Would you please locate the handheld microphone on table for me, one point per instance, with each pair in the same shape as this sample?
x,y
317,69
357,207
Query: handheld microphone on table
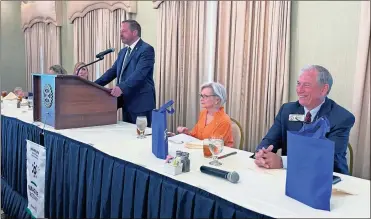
x,y
232,177
99,56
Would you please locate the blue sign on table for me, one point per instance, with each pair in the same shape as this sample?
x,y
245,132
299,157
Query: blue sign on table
x,y
310,164
159,130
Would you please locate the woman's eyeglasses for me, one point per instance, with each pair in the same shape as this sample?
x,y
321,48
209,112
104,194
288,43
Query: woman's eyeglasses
x,y
206,96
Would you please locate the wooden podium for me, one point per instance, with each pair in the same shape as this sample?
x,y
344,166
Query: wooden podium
x,y
69,101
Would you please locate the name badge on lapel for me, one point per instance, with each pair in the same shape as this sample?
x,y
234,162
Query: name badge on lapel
x,y
296,117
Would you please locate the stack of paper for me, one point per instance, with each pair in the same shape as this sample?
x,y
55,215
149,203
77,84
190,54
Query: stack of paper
x,y
344,188
336,191
187,140
24,102
194,144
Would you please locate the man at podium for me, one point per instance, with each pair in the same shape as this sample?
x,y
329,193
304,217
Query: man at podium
x,y
133,69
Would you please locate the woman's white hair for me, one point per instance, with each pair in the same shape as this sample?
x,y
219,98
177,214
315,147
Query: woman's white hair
x,y
218,90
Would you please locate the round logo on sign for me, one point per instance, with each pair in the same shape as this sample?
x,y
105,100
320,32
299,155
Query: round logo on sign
x,y
48,95
165,135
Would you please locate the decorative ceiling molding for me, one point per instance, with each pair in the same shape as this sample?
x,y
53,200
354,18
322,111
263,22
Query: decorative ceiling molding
x,y
41,11
77,9
156,3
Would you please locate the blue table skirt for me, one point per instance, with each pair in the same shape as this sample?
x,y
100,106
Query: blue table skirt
x,y
82,182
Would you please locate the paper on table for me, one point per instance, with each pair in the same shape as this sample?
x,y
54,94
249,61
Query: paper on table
x,y
183,138
336,191
148,131
344,188
24,102
250,165
195,144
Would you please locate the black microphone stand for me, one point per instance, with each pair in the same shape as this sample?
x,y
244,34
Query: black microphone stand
x,y
42,134
99,59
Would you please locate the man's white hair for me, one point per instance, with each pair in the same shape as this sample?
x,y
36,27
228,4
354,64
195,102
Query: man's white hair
x,y
323,76
218,90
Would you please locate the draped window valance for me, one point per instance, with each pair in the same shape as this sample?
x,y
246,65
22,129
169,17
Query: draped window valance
x,y
156,3
41,11
77,9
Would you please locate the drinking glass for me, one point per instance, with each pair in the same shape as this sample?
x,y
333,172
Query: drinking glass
x,y
216,147
30,101
141,126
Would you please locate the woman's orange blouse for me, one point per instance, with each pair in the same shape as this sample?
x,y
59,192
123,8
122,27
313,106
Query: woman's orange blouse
x,y
219,127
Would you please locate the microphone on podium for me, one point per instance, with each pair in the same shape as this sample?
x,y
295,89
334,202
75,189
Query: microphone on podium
x,y
99,56
105,52
232,177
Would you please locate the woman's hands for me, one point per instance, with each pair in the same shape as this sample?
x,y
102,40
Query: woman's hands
x,y
182,130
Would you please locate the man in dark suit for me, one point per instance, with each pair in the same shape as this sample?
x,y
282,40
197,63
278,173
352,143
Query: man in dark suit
x,y
312,89
133,69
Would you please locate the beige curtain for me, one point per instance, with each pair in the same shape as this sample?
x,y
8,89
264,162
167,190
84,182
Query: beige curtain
x,y
42,45
360,134
97,31
252,61
179,59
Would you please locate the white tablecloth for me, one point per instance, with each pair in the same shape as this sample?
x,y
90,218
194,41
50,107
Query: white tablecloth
x,y
259,190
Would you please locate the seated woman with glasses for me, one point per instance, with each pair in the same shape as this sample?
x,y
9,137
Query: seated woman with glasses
x,y
84,73
213,121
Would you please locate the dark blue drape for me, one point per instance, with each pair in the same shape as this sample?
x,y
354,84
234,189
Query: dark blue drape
x,y
82,182
12,202
13,151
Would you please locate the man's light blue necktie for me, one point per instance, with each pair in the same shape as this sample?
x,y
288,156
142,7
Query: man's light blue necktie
x,y
124,63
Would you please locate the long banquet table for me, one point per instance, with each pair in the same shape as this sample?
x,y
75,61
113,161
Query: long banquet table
x,y
106,172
